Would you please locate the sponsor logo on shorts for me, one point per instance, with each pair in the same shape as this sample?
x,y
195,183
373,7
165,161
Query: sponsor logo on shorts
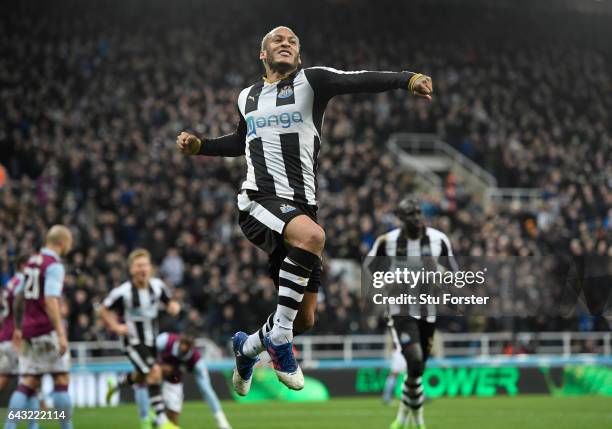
x,y
286,208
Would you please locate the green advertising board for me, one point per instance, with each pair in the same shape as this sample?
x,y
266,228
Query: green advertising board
x,y
487,381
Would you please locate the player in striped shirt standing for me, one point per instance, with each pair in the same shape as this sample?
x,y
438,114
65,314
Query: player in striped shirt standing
x,y
137,303
412,328
279,132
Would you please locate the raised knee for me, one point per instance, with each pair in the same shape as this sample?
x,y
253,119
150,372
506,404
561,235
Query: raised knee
x,y
315,238
304,233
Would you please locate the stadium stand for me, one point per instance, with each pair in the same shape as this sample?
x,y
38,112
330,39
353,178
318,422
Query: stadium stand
x,y
90,108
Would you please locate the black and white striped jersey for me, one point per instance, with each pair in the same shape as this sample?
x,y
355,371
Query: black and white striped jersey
x,y
139,309
434,244
281,124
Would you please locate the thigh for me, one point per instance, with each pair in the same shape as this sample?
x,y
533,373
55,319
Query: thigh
x,y
40,355
263,218
141,356
406,331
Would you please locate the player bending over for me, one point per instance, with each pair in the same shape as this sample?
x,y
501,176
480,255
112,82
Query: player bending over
x,y
40,332
137,303
413,333
177,354
279,131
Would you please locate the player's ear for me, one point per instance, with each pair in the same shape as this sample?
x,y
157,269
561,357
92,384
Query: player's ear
x,y
299,60
262,54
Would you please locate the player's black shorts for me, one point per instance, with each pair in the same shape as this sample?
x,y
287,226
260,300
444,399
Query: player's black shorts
x,y
408,330
142,357
263,219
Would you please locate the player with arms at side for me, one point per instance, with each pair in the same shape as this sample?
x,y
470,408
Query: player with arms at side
x,y
136,302
39,329
413,334
279,131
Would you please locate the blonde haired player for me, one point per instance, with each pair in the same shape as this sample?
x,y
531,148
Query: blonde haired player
x,y
136,302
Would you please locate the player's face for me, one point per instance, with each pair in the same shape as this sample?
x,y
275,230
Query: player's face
x,y
281,51
184,346
140,270
411,216
414,218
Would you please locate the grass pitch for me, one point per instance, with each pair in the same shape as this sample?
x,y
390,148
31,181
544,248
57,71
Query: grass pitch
x,y
524,412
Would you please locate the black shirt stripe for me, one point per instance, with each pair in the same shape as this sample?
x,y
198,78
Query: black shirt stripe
x,y
253,97
290,147
263,179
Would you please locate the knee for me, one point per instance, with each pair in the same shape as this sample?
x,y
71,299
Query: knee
x,y
416,368
311,239
414,361
31,381
155,375
317,237
61,380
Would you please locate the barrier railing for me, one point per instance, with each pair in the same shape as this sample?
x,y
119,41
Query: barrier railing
x,y
357,347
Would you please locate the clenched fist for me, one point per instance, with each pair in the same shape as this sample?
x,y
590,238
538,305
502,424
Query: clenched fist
x,y
188,143
421,86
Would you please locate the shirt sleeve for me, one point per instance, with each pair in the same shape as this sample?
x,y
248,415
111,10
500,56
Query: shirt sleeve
x,y
161,341
18,289
231,145
54,279
447,254
195,360
165,295
114,301
328,82
379,247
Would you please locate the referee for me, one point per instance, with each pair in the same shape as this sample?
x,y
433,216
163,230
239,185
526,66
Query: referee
x,y
413,334
279,132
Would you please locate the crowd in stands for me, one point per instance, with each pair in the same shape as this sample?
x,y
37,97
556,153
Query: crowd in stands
x,y
91,101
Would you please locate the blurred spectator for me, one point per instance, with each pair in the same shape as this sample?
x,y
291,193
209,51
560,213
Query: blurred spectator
x,y
91,107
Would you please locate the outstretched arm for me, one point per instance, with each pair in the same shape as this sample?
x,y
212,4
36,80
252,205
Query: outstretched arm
x,y
328,82
228,145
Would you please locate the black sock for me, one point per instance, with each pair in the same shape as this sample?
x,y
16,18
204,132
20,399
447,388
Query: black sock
x,y
156,401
